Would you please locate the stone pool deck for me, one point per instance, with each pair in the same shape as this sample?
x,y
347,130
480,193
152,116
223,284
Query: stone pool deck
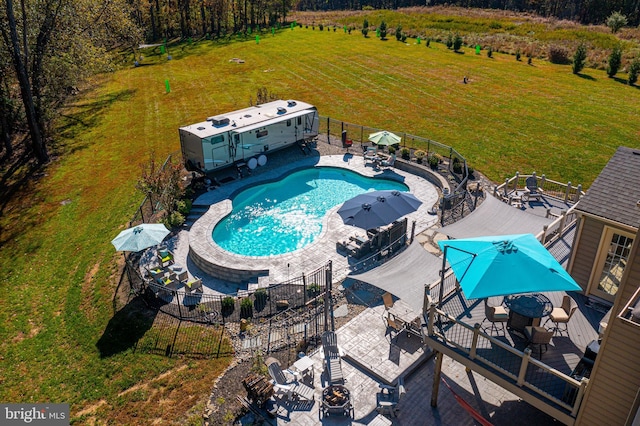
x,y
198,239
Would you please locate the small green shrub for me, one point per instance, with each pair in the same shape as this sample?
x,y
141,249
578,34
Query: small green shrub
x,y
383,30
399,32
489,52
405,153
615,60
518,55
173,220
392,150
449,41
433,162
184,206
457,43
419,154
228,305
579,58
321,27
246,308
428,42
403,38
313,289
260,299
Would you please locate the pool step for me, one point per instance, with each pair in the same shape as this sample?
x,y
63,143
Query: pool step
x,y
197,210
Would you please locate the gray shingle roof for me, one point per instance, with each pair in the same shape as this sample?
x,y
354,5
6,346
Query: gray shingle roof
x,y
616,191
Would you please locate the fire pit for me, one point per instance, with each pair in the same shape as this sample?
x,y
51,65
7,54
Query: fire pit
x,y
336,401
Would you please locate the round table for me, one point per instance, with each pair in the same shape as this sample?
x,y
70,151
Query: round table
x,y
526,309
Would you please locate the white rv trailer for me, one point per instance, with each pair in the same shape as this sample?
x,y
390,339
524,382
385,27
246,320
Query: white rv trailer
x,y
247,134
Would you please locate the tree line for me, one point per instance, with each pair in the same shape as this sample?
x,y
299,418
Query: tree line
x,y
583,11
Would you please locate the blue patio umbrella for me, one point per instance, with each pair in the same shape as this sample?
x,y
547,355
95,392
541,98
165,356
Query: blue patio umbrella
x,y
140,237
377,208
505,264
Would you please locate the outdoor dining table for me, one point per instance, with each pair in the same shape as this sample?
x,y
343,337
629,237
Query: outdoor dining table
x,y
526,309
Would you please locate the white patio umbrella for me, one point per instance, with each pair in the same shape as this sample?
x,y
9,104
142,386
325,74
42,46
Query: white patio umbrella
x,y
384,138
140,237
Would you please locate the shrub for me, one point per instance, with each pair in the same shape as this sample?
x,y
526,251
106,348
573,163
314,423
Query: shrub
x,y
428,42
615,21
260,299
449,41
615,59
529,60
383,30
228,305
518,55
419,154
579,58
321,27
365,27
246,308
403,38
392,150
184,206
457,43
174,219
405,153
634,69
457,166
433,161
558,55
313,289
489,52
399,32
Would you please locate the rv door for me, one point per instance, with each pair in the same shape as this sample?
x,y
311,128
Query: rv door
x,y
234,141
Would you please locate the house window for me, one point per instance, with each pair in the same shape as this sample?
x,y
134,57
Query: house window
x,y
615,257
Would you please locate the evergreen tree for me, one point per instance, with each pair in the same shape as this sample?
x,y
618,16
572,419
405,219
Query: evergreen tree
x,y
399,32
383,30
615,60
365,27
457,43
579,58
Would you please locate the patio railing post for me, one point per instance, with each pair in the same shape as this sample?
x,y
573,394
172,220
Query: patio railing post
x,y
474,342
516,180
432,314
568,190
506,186
581,390
563,220
578,192
523,366
543,179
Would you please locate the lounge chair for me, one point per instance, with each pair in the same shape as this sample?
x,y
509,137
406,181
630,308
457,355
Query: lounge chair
x,y
290,388
390,397
165,257
532,189
389,162
332,359
193,286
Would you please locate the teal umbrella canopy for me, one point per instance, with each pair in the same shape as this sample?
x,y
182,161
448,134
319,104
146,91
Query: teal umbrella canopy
x,y
505,264
140,237
384,138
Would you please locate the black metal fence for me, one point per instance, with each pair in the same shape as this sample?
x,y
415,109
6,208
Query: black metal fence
x,y
259,304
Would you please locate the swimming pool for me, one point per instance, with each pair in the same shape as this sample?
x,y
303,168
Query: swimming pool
x,y
287,215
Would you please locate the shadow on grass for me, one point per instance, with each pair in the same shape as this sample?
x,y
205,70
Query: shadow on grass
x,y
586,77
126,328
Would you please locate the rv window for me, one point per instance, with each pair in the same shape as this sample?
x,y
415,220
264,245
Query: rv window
x,y
288,123
217,139
262,133
299,120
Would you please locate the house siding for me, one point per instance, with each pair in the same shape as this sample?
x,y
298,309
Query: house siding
x,y
615,379
585,252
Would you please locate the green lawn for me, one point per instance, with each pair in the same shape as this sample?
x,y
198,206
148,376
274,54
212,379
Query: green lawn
x,y
59,268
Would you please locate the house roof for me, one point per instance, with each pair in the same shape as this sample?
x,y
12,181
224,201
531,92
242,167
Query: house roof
x,y
616,191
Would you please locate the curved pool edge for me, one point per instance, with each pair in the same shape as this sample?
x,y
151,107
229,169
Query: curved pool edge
x,y
219,263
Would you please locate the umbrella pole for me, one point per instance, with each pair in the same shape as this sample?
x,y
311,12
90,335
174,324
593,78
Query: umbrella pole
x,y
444,265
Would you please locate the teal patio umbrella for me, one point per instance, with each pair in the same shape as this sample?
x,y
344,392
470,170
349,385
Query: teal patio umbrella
x,y
140,237
384,138
505,264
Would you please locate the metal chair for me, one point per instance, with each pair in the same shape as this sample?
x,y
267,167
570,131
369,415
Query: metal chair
x,y
538,336
563,314
495,315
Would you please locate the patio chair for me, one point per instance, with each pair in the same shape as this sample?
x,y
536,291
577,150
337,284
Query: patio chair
x,y
563,314
388,401
193,286
538,336
165,257
389,162
290,388
495,315
387,298
532,189
332,358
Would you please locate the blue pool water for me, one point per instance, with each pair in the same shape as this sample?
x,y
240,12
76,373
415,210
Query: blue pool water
x,y
284,216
